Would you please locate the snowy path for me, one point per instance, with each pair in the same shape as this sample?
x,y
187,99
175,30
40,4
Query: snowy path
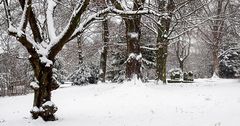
x,y
204,103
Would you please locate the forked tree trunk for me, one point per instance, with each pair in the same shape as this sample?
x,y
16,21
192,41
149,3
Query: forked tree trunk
x,y
133,64
103,56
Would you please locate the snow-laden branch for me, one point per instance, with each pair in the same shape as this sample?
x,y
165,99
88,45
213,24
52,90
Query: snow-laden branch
x,y
15,32
23,23
57,44
148,62
137,12
40,48
50,22
149,48
87,21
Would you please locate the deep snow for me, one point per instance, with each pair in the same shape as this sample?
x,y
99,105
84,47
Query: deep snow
x,y
207,102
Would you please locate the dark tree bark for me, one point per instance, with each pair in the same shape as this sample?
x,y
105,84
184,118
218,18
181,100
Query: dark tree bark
x,y
162,50
80,56
104,52
42,94
105,37
133,33
162,38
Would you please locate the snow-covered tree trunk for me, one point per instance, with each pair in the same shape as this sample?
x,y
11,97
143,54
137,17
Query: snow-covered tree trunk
x,y
133,32
44,84
105,38
161,59
165,6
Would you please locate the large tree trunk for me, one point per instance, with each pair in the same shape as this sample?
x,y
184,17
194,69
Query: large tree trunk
x,y
217,31
44,84
162,39
162,51
103,57
133,32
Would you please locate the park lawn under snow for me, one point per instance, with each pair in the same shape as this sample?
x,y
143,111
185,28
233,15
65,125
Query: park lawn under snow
x,y
204,103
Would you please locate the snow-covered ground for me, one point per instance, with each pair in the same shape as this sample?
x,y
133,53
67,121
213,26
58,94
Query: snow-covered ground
x,y
204,103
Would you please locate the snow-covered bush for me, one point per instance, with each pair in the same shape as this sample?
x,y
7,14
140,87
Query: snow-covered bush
x,y
86,74
188,76
230,64
175,74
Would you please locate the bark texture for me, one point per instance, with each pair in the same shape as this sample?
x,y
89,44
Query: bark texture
x,y
162,38
42,94
104,52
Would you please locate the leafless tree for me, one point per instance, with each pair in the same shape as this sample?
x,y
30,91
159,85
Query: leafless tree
x,y
43,47
214,30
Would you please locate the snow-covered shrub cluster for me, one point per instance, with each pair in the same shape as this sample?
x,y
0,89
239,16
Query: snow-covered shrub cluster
x,y
230,64
86,74
175,74
188,76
